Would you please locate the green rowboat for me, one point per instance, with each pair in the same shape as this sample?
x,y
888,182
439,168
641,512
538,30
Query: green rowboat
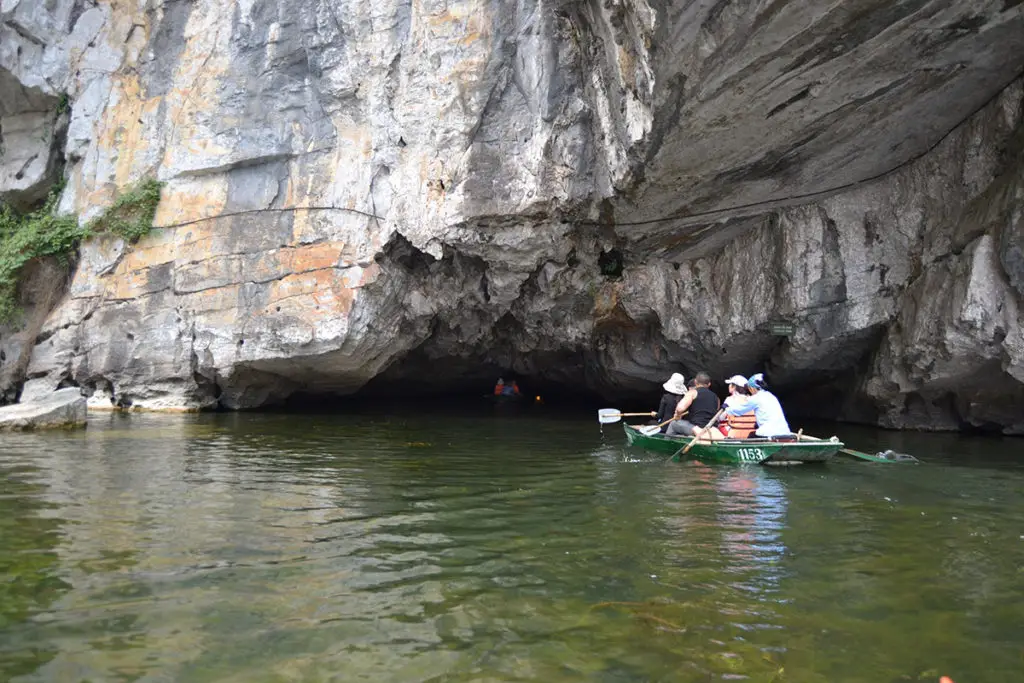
x,y
756,450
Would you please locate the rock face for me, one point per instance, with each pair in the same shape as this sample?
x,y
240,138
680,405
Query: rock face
x,y
43,285
593,194
61,409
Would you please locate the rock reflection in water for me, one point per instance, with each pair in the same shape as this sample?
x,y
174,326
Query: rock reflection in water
x,y
398,547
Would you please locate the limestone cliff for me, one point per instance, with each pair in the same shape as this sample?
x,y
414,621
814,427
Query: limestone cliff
x,y
590,193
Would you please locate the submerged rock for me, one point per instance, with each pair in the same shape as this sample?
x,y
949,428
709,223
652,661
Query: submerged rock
x,y
61,409
591,194
897,457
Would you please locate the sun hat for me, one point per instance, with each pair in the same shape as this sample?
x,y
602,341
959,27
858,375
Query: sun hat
x,y
756,382
676,384
738,380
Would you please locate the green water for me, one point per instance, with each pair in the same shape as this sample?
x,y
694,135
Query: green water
x,y
257,548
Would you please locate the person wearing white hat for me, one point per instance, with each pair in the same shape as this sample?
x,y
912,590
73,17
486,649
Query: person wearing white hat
x,y
737,390
767,410
674,388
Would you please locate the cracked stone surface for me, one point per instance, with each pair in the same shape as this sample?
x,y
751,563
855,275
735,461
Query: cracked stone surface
x,y
423,193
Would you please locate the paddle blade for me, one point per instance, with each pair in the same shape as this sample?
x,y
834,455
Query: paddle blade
x,y
650,430
609,415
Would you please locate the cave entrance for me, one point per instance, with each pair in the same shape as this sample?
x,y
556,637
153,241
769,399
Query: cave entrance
x,y
462,395
441,385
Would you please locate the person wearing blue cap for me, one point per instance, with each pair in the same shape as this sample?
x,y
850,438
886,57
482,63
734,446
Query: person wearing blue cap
x,y
771,421
737,426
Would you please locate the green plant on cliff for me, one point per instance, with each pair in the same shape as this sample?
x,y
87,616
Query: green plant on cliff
x,y
24,237
43,233
64,103
131,214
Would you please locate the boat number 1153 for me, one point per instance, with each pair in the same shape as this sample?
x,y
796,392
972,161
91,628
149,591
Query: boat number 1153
x,y
750,454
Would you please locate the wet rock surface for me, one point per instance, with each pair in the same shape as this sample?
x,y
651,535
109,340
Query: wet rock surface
x,y
591,194
62,409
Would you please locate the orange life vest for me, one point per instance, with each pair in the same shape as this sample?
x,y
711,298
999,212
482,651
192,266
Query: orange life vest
x,y
740,426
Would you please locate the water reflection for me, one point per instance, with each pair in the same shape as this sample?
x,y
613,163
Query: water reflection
x,y
752,516
30,580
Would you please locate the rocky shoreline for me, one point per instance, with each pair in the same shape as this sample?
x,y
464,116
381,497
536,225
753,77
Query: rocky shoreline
x,y
63,409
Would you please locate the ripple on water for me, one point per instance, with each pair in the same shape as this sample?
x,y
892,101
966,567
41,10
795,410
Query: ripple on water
x,y
252,548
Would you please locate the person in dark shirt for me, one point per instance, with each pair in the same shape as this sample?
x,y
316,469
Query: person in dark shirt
x,y
675,389
701,403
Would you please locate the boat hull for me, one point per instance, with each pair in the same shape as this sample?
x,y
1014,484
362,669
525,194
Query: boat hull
x,y
758,451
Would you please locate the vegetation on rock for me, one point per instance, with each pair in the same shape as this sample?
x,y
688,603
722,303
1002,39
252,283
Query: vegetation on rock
x,y
131,214
33,235
42,233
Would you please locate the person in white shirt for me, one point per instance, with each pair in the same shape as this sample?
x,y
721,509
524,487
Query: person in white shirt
x,y
737,391
771,421
737,426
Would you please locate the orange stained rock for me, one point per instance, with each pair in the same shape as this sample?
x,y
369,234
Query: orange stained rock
x,y
123,135
203,241
199,245
215,299
627,66
477,28
134,284
606,298
279,263
123,132
191,141
199,68
316,294
450,18
147,254
314,256
198,258
213,272
197,199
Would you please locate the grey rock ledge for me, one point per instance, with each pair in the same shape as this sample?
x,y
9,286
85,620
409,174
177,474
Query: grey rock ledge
x,y
61,409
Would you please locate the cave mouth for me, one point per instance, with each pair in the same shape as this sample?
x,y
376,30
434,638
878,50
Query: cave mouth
x,y
568,382
455,395
557,384
814,408
563,379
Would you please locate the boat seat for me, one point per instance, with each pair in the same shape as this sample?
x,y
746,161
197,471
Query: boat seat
x,y
785,438
781,438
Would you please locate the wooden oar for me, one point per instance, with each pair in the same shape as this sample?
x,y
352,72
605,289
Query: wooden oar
x,y
611,415
686,449
859,454
650,430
